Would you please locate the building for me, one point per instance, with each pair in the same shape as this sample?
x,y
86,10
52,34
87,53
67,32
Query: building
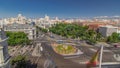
x,y
4,56
107,30
30,30
19,19
45,22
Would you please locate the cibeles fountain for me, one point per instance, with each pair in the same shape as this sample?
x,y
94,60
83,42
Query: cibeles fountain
x,y
67,50
4,56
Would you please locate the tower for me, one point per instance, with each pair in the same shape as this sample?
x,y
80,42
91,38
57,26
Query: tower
x,y
47,18
4,56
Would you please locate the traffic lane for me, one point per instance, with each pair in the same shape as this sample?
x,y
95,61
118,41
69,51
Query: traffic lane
x,y
58,59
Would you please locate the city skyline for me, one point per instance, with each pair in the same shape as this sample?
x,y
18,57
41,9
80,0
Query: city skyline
x,y
61,8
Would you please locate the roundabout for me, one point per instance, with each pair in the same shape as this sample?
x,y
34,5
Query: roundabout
x,y
66,50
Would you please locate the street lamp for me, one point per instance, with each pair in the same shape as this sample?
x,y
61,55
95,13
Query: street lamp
x,y
101,54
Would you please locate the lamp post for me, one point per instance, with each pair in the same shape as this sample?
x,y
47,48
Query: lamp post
x,y
101,53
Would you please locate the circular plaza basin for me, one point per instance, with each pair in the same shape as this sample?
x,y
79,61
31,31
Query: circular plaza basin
x,y
66,50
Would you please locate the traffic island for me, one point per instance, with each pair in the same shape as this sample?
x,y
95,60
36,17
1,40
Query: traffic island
x,y
66,50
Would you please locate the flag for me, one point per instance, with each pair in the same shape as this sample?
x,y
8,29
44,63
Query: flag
x,y
94,60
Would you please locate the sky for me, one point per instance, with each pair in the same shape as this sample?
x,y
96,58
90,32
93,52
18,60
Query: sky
x,y
59,8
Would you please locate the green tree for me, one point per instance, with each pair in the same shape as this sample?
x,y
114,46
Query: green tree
x,y
114,38
41,29
17,38
75,31
19,62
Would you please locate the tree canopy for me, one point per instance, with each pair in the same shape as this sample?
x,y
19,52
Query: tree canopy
x,y
19,62
41,29
17,38
114,38
76,31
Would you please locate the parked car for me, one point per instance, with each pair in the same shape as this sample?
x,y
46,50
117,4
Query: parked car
x,y
116,45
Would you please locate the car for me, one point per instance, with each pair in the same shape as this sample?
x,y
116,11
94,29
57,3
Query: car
x,y
60,41
116,45
51,36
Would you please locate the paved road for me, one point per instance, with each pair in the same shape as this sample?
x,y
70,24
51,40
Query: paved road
x,y
58,60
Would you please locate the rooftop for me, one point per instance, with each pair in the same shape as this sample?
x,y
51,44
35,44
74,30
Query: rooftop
x,y
19,26
109,26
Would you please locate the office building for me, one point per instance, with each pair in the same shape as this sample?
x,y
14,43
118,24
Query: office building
x,y
107,30
30,30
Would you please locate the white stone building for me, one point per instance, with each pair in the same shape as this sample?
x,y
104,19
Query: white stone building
x,y
19,19
30,30
107,30
4,56
45,22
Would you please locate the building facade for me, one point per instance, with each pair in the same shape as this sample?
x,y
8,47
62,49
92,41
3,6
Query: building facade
x,y
30,30
107,30
45,22
4,56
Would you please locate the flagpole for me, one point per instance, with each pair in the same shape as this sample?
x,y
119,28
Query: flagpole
x,y
101,53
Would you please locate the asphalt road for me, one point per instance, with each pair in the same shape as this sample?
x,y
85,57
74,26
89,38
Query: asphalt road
x,y
57,59
51,58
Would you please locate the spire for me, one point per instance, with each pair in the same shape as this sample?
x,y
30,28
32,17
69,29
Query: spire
x,y
46,17
19,15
